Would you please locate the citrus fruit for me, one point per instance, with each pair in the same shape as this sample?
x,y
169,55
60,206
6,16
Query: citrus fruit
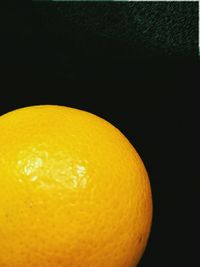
x,y
73,191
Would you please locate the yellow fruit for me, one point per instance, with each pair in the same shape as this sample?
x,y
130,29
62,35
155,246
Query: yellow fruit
x,y
73,191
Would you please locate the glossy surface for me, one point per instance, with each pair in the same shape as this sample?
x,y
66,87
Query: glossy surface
x,y
73,191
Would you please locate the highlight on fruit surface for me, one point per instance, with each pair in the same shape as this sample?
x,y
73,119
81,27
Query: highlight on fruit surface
x,y
73,191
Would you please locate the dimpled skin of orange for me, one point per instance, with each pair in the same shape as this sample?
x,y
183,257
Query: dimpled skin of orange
x,y
73,191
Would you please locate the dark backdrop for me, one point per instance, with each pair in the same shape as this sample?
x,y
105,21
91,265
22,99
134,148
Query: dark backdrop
x,y
134,65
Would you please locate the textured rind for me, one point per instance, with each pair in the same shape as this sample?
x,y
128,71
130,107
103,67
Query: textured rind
x,y
73,191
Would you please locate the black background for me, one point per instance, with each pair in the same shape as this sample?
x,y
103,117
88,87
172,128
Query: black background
x,y
148,91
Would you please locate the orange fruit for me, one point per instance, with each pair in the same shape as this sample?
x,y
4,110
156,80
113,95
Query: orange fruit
x,y
74,192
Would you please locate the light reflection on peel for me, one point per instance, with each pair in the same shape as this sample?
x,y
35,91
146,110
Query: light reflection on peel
x,y
50,173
